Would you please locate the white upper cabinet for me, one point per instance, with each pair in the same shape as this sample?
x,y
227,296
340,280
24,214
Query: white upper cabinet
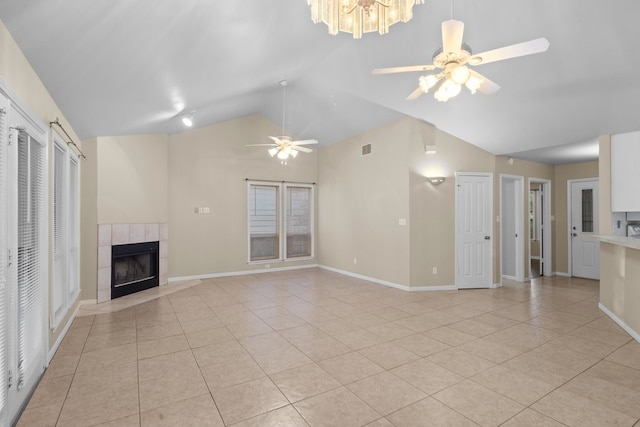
x,y
625,172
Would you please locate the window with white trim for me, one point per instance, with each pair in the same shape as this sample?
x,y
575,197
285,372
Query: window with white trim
x,y
280,221
66,283
24,273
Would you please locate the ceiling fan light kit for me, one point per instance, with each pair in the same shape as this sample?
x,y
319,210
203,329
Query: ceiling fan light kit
x,y
361,16
187,119
454,59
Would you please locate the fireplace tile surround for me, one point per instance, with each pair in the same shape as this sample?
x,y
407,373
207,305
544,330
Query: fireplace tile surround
x,y
123,234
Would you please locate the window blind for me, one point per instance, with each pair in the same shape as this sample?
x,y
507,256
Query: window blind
x,y
3,248
59,234
74,230
30,284
263,222
298,221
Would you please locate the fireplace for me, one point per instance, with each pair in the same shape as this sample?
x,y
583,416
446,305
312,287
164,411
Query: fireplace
x,y
134,267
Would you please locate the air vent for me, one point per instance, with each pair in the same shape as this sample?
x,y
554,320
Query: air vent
x,y
366,149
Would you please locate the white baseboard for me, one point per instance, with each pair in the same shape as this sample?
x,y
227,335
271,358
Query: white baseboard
x,y
635,335
514,278
64,330
56,344
390,284
238,273
561,274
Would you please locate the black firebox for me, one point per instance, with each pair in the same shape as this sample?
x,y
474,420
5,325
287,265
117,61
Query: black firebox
x,y
134,268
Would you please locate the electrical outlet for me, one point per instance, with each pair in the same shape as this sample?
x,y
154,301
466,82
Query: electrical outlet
x,y
434,270
402,221
355,260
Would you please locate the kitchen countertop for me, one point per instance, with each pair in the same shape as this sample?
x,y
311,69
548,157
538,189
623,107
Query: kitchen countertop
x,y
627,242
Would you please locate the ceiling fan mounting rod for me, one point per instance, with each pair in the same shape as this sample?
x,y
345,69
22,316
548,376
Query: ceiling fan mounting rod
x,y
283,83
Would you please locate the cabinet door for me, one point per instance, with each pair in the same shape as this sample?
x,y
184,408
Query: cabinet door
x,y
625,172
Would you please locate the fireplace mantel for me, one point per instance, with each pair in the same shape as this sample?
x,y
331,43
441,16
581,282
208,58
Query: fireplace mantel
x,y
123,234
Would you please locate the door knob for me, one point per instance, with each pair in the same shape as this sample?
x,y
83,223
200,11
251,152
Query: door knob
x,y
487,237
574,234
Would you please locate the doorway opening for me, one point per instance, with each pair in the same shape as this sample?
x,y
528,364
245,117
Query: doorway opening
x,y
539,228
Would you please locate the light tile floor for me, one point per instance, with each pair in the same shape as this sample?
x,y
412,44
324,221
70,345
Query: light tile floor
x,y
311,347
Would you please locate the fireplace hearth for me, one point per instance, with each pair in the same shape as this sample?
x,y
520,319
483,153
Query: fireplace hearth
x,y
134,267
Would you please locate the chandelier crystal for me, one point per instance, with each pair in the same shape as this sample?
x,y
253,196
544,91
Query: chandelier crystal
x,y
361,16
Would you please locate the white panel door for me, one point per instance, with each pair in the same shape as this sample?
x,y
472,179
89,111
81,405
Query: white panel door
x,y
474,247
585,251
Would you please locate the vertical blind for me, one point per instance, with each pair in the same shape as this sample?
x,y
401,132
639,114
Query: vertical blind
x,y
30,304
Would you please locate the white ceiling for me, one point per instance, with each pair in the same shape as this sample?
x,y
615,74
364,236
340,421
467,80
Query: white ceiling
x,y
119,67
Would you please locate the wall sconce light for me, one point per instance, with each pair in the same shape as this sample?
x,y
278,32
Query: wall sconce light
x,y
430,149
436,180
187,119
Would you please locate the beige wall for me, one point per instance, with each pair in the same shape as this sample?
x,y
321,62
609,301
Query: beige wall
x,y
89,222
208,167
360,201
125,180
433,207
604,189
18,74
564,173
133,179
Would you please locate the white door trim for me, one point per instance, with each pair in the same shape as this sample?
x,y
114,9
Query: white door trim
x,y
519,224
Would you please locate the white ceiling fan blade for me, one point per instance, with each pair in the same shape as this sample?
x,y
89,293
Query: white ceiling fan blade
x,y
415,94
408,69
487,87
512,51
304,142
452,32
303,149
278,141
261,145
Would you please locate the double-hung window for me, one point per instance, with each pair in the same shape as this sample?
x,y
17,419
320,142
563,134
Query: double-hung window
x,y
281,221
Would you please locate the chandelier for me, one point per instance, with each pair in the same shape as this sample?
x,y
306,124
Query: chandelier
x,y
361,16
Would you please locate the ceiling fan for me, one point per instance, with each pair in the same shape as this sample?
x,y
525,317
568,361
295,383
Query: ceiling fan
x,y
453,59
284,146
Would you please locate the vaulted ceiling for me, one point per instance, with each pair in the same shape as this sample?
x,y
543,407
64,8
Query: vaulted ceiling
x,y
119,67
